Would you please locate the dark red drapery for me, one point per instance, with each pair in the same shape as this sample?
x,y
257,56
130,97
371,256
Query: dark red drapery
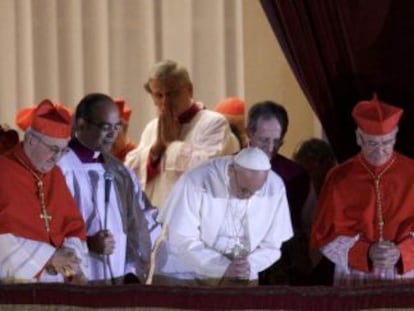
x,y
141,297
344,50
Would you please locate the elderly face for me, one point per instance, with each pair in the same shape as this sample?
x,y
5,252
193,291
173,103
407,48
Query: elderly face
x,y
267,136
244,183
101,129
171,94
376,149
44,151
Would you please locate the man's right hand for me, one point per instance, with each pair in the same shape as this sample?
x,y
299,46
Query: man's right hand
x,y
65,262
102,243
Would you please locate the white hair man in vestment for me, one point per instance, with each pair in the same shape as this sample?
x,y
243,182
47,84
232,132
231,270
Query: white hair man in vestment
x,y
365,219
42,233
183,135
109,200
227,219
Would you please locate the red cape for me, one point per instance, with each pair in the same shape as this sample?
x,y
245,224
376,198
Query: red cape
x,y
20,207
347,206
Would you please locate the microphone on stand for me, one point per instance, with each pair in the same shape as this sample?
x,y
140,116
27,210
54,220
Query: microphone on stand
x,y
108,176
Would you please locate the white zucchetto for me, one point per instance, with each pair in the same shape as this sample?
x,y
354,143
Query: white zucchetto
x,y
252,158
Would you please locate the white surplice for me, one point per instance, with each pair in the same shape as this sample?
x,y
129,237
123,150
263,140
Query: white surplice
x,y
196,212
21,259
337,251
86,182
207,135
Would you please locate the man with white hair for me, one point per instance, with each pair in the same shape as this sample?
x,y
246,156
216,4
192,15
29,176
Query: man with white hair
x,y
184,134
364,222
226,222
42,233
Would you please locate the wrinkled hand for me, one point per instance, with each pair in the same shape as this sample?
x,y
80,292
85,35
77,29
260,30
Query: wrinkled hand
x,y
239,268
384,254
102,243
65,262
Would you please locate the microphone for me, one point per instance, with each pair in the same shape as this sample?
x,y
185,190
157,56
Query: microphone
x,y
108,176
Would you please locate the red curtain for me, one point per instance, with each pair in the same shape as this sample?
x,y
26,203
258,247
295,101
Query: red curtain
x,y
343,51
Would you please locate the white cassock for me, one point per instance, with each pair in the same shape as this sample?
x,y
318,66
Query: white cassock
x,y
207,135
86,182
21,259
203,218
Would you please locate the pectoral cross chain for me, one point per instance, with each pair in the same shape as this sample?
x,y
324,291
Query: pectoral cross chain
x,y
43,215
40,193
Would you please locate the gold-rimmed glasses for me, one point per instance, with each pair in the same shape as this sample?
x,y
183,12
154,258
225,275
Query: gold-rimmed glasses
x,y
374,144
53,149
105,126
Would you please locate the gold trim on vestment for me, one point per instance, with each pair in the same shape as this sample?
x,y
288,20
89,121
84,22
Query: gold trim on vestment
x,y
40,193
377,180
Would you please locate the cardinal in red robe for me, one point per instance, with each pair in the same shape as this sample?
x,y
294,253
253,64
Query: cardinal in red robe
x,y
42,234
365,218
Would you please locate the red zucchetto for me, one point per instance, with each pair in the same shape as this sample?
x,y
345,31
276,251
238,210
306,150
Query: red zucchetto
x,y
231,106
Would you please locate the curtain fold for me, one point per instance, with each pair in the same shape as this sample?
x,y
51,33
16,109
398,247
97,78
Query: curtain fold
x,y
345,50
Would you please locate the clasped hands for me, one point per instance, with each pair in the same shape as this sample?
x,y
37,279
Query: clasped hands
x,y
239,268
384,254
169,129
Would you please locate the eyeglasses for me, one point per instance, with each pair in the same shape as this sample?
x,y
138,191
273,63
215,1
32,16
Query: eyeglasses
x,y
55,150
105,126
377,144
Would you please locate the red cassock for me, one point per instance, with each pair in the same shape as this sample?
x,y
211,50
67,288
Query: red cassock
x,y
20,206
348,206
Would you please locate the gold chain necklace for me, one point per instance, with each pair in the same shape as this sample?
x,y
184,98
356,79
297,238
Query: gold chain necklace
x,y
377,180
40,193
